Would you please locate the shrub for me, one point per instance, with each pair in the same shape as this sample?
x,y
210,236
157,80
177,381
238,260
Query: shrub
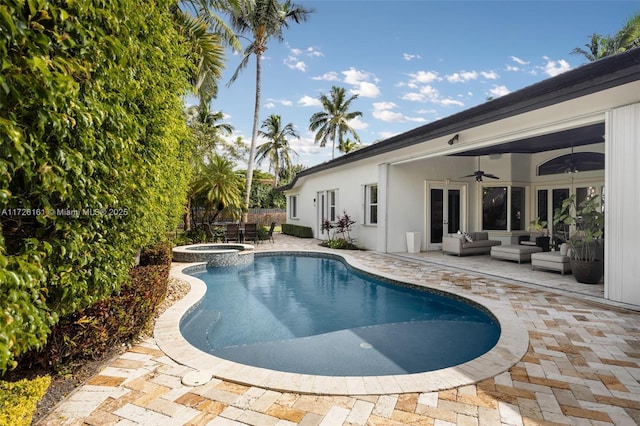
x,y
342,226
195,236
92,162
297,230
118,319
158,254
18,400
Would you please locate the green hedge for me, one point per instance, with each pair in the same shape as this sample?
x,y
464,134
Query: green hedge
x,y
18,400
92,158
96,330
297,230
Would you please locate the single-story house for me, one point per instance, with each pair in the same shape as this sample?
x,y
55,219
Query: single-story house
x,y
578,132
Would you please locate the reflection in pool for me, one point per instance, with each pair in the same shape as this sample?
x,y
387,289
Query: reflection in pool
x,y
316,315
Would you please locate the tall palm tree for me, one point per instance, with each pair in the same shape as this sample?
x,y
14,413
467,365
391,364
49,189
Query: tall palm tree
x,y
600,46
333,123
261,20
208,130
277,148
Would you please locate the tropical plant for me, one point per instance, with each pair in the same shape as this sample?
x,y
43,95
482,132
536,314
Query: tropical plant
x,y
277,148
332,124
348,146
287,176
581,226
207,34
209,132
262,20
342,226
218,187
600,46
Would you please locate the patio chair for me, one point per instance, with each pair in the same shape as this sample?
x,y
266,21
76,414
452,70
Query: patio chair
x,y
232,232
251,232
270,233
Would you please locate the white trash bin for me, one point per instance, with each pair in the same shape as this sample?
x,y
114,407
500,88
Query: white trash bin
x,y
414,241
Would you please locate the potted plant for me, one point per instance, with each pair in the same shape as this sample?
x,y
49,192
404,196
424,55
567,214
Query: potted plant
x,y
585,239
537,228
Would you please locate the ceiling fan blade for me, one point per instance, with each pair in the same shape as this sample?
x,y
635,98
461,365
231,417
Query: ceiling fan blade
x,y
491,176
467,176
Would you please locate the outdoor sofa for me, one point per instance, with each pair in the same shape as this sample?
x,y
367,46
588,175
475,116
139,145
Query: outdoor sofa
x,y
468,243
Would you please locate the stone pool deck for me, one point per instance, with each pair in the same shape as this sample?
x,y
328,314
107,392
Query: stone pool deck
x,y
582,365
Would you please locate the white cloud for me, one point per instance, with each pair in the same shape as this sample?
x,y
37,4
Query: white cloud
x,y
329,76
410,57
462,77
519,61
354,77
367,90
271,102
382,111
490,75
361,80
511,68
313,52
413,97
294,64
307,101
498,91
424,77
384,105
553,68
358,124
451,102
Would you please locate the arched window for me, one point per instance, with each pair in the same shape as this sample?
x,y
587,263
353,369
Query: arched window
x,y
572,163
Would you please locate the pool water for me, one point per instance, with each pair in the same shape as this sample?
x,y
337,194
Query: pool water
x,y
316,315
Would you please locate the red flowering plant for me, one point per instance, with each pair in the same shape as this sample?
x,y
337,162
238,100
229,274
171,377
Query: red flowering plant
x,y
342,226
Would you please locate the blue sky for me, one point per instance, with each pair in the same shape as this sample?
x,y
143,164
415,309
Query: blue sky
x,y
411,62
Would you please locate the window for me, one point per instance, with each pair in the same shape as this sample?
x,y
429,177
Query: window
x,y
371,204
503,208
332,205
293,206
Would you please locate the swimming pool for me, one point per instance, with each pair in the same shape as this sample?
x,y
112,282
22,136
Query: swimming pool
x,y
311,314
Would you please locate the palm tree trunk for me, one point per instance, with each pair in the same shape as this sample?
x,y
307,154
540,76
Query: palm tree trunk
x,y
187,215
254,140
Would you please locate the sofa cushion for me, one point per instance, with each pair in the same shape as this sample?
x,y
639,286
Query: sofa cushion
x,y
481,243
468,237
480,236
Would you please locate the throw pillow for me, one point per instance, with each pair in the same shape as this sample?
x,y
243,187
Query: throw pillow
x,y
467,237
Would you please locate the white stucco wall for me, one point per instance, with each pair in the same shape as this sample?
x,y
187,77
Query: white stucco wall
x,y
622,204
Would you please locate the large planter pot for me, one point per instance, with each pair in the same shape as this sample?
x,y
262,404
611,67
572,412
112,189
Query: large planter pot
x,y
587,272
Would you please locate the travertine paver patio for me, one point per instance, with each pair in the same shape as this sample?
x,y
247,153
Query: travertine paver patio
x,y
582,366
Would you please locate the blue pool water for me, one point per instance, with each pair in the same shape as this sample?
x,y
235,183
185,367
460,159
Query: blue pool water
x,y
315,315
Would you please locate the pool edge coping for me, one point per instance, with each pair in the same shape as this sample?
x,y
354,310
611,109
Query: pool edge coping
x,y
509,350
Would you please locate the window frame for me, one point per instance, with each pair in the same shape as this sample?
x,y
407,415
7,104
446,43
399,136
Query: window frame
x,y
369,204
509,219
293,206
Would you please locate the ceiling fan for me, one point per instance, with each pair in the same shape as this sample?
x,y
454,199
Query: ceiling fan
x,y
479,174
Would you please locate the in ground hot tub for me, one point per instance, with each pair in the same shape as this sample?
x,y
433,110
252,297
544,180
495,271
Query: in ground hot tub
x,y
214,254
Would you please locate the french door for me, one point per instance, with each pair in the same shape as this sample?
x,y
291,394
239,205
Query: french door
x,y
446,212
